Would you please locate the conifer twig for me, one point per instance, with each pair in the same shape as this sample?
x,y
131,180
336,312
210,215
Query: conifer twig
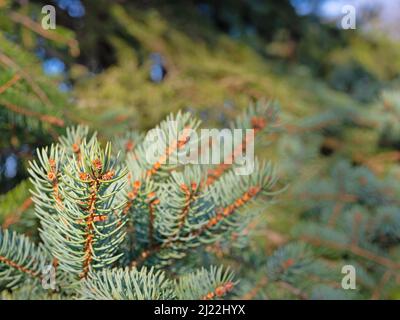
x,y
221,214
182,140
355,249
219,291
91,208
10,83
258,124
6,60
256,289
13,218
378,290
20,268
37,28
42,117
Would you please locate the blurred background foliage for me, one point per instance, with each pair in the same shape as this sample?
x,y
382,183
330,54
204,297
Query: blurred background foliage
x,y
119,65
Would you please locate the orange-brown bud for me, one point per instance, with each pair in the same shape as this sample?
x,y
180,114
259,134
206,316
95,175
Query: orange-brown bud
x,y
109,175
253,191
151,195
220,291
97,164
131,195
51,176
213,222
157,165
100,218
129,145
84,176
288,263
229,286
258,123
75,148
52,163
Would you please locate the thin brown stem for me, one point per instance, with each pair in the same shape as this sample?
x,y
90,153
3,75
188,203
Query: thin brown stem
x,y
88,247
37,28
13,218
221,214
7,61
20,268
10,83
42,117
355,250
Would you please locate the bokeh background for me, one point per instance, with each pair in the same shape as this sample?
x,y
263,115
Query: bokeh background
x,y
125,65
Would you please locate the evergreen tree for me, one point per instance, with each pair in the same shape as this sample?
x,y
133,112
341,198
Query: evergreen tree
x,y
96,220
106,224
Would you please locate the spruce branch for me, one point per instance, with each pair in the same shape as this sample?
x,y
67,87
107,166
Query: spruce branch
x,y
124,284
16,77
9,62
96,213
262,118
19,259
53,36
29,113
204,284
76,200
14,203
